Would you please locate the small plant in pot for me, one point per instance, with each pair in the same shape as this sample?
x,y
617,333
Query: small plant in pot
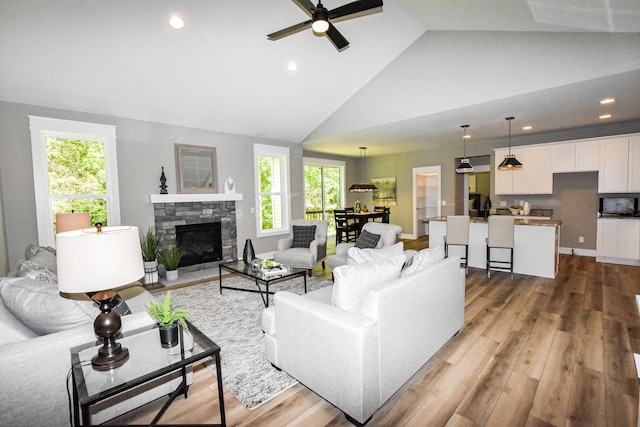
x,y
170,257
168,318
149,243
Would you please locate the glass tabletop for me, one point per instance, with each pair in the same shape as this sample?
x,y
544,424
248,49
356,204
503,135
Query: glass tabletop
x,y
147,360
247,270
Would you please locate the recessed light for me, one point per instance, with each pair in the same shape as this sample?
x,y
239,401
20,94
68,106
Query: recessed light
x,y
605,116
292,66
176,22
608,101
529,127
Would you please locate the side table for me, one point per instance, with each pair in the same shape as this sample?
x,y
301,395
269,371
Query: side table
x,y
147,361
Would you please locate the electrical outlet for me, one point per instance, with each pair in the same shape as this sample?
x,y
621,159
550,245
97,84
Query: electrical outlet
x,y
581,239
503,203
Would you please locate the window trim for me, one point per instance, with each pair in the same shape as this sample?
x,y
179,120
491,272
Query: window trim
x,y
284,154
42,128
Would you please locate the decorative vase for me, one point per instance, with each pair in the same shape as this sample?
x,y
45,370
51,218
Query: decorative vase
x,y
248,254
168,336
172,275
150,272
229,186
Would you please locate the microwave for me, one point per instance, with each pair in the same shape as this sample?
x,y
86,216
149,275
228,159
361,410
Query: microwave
x,y
618,206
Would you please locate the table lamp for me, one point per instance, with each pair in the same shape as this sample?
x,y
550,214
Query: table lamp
x,y
97,260
72,221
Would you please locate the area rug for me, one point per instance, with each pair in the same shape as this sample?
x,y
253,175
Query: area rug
x,y
233,320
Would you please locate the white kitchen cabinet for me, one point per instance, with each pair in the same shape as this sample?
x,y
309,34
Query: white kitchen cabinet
x,y
633,182
587,155
535,177
618,240
614,165
563,157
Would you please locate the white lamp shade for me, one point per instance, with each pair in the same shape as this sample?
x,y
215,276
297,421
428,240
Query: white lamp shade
x,y
89,261
72,221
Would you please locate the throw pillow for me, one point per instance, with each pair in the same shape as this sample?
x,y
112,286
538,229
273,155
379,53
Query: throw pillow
x,y
33,271
367,240
42,256
303,235
41,308
424,259
359,256
353,282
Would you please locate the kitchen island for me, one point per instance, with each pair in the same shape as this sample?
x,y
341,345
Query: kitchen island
x,y
535,251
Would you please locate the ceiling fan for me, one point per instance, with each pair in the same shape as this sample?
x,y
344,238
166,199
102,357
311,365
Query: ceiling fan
x,y
320,20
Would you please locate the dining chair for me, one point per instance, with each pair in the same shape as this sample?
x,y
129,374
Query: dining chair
x,y
346,230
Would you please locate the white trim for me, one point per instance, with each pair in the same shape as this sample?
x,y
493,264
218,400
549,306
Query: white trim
x,y
284,154
186,198
312,161
44,127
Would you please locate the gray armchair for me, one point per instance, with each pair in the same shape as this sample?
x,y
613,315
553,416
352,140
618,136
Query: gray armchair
x,y
297,251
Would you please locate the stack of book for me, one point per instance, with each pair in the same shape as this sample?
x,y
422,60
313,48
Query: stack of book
x,y
272,268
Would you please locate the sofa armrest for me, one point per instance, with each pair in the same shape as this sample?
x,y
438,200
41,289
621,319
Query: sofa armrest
x,y
325,347
343,248
284,244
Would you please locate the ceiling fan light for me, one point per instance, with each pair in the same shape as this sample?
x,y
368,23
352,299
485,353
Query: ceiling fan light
x,y
464,167
320,25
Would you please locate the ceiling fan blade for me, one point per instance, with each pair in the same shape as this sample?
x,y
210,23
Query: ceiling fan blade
x,y
353,8
290,30
336,38
306,5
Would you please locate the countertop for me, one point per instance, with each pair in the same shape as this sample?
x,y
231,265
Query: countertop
x,y
525,221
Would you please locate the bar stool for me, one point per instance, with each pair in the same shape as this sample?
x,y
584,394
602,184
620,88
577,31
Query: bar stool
x,y
458,234
501,231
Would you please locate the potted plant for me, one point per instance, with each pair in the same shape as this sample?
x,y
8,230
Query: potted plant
x,y
149,243
168,318
170,257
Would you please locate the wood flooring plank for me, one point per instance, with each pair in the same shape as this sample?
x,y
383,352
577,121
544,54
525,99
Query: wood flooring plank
x,y
483,395
591,340
588,390
516,302
618,357
552,396
534,355
529,314
515,401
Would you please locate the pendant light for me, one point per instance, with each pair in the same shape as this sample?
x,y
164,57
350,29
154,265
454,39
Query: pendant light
x,y
362,187
510,162
465,165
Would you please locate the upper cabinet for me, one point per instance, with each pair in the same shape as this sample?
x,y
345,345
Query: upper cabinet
x,y
619,165
535,177
617,159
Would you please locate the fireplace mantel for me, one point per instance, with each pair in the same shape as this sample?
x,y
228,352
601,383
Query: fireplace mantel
x,y
187,198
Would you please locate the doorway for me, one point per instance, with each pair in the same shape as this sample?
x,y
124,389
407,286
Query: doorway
x,y
324,189
427,184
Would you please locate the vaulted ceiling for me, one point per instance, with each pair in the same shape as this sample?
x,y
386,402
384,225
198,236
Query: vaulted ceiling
x,y
414,72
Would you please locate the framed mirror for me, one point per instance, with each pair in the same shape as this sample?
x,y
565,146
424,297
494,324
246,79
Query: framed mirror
x,y
196,169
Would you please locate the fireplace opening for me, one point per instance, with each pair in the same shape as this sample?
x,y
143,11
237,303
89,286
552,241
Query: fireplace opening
x,y
200,243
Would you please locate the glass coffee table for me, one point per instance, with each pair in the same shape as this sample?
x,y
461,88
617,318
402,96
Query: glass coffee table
x,y
239,267
147,362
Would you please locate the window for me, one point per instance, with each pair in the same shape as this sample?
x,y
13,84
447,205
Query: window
x,y
272,188
323,188
74,167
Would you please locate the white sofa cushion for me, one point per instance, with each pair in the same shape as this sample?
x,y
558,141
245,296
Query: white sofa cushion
x,y
41,308
359,256
424,259
353,282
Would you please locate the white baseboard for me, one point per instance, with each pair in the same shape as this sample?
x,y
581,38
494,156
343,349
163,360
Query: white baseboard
x,y
408,236
578,251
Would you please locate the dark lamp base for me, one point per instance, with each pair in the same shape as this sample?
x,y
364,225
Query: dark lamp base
x,y
106,326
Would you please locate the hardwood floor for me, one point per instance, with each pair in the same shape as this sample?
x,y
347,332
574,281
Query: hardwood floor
x,y
532,352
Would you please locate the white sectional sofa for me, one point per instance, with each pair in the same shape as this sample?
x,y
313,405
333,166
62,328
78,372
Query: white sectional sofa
x,y
37,329
357,357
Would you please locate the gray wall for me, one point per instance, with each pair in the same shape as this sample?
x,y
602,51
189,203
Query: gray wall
x,y
143,148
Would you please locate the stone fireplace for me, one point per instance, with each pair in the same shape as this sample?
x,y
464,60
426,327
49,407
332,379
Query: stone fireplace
x,y
183,209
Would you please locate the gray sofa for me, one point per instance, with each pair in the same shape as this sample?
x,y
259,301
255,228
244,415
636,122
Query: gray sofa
x,y
358,356
37,329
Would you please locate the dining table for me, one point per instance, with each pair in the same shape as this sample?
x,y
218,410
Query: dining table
x,y
361,218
